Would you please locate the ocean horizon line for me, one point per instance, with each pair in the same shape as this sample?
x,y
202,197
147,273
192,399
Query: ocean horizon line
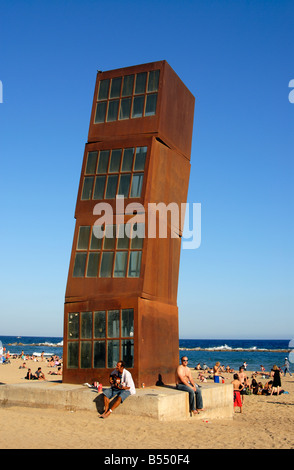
x,y
180,338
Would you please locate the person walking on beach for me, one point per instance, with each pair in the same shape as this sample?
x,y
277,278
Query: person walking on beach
x,y
122,388
185,383
287,367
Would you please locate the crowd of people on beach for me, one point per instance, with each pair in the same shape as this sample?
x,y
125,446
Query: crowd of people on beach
x,y
54,361
123,386
242,385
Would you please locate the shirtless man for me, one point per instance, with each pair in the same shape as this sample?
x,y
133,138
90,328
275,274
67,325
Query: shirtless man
x,y
243,379
185,383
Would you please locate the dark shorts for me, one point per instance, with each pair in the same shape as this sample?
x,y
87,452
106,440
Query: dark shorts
x,y
112,392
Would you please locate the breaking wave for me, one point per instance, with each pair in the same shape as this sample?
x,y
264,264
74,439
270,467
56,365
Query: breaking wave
x,y
225,348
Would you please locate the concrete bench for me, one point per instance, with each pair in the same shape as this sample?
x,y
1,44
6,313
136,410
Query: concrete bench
x,y
162,403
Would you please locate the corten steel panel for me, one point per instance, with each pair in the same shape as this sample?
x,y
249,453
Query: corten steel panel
x,y
128,127
168,181
158,349
173,121
102,375
161,270
176,113
85,208
166,175
158,279
165,181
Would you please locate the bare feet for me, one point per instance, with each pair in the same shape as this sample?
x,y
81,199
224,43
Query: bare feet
x,y
106,414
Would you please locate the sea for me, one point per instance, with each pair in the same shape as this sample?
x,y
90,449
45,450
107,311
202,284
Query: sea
x,y
232,352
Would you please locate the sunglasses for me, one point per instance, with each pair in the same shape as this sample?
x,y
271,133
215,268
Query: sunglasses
x,y
185,360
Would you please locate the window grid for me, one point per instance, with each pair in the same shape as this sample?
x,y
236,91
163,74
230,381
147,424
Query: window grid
x,y
109,173
128,97
111,256
95,350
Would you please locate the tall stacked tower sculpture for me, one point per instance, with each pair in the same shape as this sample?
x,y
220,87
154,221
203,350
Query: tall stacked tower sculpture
x,y
121,294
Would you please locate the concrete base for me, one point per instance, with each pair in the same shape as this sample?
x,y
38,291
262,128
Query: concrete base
x,y
161,403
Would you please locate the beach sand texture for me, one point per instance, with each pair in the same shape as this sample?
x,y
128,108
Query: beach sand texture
x,y
266,423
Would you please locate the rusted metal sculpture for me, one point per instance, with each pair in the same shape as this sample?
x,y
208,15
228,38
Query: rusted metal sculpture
x,y
121,294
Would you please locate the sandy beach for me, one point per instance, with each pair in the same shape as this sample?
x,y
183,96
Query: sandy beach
x,y
266,423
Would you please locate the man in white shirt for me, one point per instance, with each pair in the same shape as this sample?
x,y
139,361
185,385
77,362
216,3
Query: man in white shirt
x,y
122,388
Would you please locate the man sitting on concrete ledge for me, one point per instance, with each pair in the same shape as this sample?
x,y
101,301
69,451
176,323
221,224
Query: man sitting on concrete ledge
x,y
122,385
186,384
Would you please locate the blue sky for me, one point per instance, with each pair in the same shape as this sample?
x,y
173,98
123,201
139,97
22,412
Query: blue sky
x,y
236,57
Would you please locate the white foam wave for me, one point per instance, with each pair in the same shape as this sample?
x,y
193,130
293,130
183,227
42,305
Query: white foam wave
x,y
225,347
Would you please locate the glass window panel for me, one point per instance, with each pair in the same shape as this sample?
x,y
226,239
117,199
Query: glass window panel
x,y
86,354
100,324
103,89
73,355
138,236
124,185
113,324
128,156
87,188
86,325
95,242
100,112
111,187
138,106
120,265
112,353
110,237
93,263
140,82
128,85
141,153
150,108
135,264
115,87
73,325
99,354
106,264
125,108
91,163
115,161
103,161
99,187
127,352
137,184
123,239
83,238
80,264
112,110
153,80
127,322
